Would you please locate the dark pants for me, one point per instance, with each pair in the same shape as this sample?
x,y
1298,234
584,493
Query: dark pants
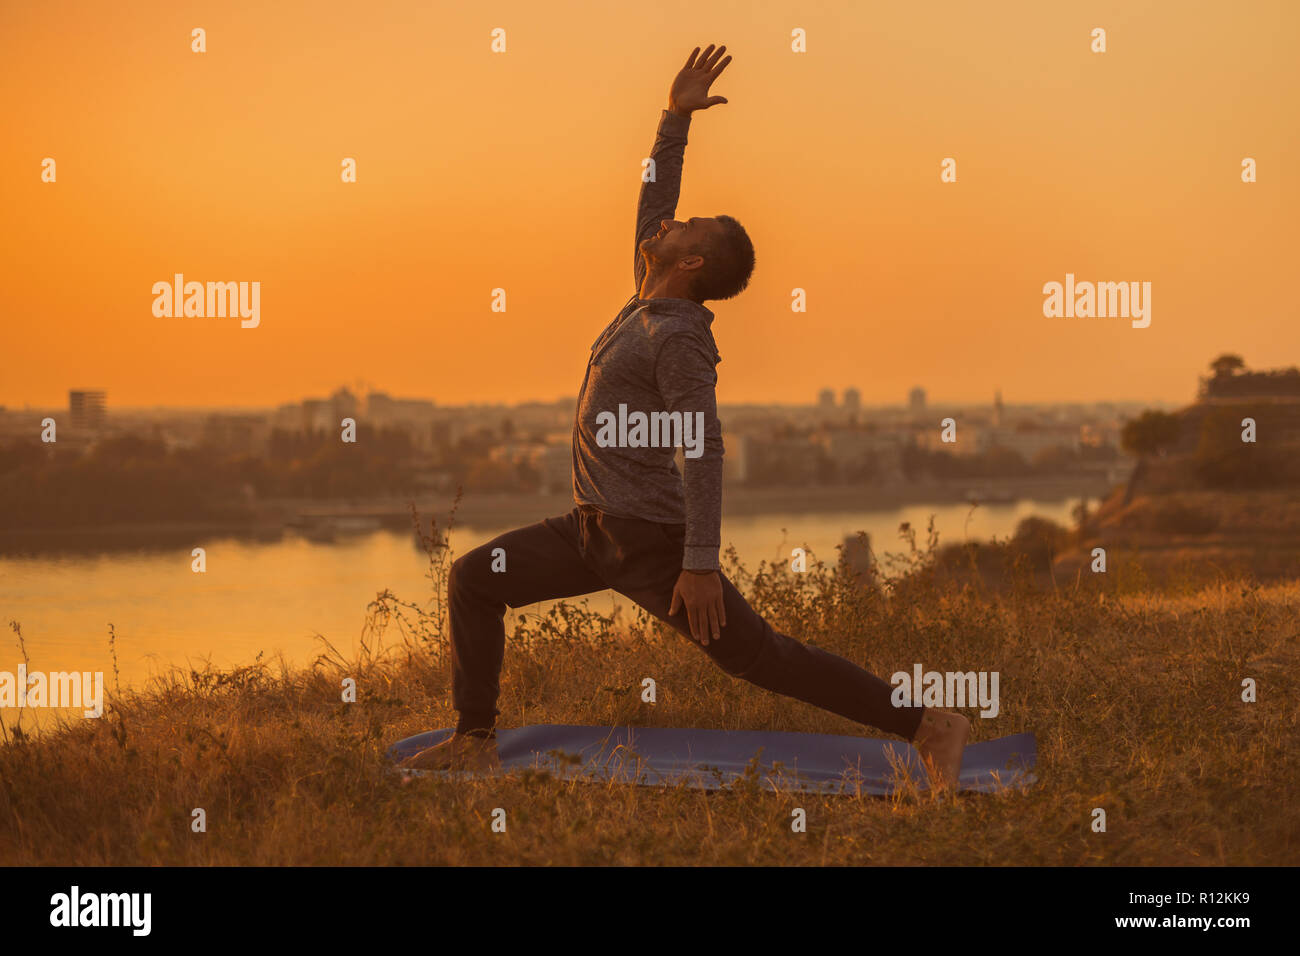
x,y
587,550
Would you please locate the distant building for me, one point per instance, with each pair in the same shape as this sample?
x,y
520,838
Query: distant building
x,y
916,402
852,401
287,416
415,416
826,400
317,415
780,460
1099,434
556,466
241,434
88,409
552,463
859,454
344,405
380,408
1029,440
972,439
997,408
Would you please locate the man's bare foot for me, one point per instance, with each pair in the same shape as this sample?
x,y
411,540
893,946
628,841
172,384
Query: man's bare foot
x,y
940,740
457,752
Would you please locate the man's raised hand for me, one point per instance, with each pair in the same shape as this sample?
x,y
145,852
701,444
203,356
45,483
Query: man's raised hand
x,y
690,89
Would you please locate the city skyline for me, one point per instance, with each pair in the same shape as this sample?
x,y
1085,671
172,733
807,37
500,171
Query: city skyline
x,y
930,401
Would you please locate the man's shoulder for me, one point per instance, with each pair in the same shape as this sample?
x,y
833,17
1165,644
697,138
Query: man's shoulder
x,y
661,319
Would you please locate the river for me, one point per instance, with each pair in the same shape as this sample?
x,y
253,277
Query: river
x,y
276,597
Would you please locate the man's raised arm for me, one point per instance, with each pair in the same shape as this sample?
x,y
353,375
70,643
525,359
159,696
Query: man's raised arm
x,y
689,92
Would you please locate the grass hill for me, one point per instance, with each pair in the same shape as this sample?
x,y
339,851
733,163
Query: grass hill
x,y
1134,692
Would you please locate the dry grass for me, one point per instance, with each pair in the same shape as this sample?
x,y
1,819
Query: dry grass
x,y
1135,698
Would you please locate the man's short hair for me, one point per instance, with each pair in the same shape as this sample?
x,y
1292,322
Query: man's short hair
x,y
728,262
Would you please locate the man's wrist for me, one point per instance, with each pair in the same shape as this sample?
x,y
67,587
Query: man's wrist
x,y
684,114
702,558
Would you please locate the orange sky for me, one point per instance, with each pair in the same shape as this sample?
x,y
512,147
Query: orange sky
x,y
520,170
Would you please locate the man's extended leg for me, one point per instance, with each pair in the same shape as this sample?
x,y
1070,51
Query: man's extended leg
x,y
537,563
752,649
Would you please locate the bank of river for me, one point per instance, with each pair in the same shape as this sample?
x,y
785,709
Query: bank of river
x,y
325,520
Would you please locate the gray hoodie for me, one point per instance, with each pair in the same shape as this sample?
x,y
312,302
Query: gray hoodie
x,y
650,386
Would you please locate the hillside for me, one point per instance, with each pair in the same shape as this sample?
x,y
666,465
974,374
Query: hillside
x,y
1134,695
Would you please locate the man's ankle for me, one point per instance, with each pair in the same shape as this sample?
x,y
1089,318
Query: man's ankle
x,y
482,726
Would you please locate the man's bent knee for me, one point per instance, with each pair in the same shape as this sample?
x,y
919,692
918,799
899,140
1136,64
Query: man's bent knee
x,y
469,573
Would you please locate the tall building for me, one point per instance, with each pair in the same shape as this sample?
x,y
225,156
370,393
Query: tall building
x,y
997,408
88,409
916,401
852,401
826,400
344,404
380,408
317,415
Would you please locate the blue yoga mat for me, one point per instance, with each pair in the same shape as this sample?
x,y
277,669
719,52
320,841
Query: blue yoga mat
x,y
717,759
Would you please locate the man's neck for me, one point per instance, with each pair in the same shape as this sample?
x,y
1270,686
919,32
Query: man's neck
x,y
659,288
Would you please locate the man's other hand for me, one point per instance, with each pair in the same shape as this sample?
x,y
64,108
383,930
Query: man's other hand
x,y
690,89
701,595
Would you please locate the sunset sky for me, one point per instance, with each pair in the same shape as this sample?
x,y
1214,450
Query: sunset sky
x,y
520,170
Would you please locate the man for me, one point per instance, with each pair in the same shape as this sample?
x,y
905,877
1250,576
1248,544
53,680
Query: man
x,y
641,527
